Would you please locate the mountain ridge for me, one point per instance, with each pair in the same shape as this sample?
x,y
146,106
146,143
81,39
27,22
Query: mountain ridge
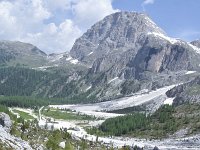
x,y
120,55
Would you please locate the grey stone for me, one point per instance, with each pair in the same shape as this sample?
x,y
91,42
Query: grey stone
x,y
5,121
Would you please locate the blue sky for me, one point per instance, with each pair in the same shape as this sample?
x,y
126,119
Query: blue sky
x,y
179,18
54,25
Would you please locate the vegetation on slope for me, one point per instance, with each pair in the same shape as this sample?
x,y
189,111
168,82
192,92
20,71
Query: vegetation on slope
x,y
24,102
24,115
65,115
20,81
165,121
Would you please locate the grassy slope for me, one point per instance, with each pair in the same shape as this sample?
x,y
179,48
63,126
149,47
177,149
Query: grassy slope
x,y
65,115
24,115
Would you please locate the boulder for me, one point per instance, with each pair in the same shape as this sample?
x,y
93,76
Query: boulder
x,y
5,121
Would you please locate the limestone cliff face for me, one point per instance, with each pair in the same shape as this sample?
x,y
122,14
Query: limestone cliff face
x,y
117,33
126,44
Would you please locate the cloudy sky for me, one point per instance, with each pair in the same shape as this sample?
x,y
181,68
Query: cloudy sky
x,y
53,25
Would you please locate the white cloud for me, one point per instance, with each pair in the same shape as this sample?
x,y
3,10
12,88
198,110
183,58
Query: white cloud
x,y
87,12
51,25
55,38
146,2
7,21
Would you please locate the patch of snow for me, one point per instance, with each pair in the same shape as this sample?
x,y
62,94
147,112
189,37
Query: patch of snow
x,y
55,58
69,58
4,80
160,35
190,72
150,21
88,88
43,68
90,53
113,80
169,101
196,49
74,61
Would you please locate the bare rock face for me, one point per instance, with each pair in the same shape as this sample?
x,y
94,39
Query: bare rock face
x,y
126,50
186,93
5,121
117,33
126,44
6,139
11,142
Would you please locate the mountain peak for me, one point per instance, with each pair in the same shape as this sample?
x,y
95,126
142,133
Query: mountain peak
x,y
137,18
20,48
120,31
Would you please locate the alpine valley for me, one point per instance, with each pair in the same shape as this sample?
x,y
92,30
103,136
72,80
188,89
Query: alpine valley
x,y
125,84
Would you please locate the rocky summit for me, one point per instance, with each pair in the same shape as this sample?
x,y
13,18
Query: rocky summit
x,y
130,46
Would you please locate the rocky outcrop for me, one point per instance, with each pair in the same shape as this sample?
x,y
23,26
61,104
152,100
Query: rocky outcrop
x,y
186,93
5,121
10,142
6,139
196,43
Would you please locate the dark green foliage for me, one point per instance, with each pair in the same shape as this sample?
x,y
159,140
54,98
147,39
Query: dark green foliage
x,y
54,139
34,102
20,81
166,120
164,113
5,56
25,126
19,101
68,146
129,110
83,145
4,109
158,125
125,124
